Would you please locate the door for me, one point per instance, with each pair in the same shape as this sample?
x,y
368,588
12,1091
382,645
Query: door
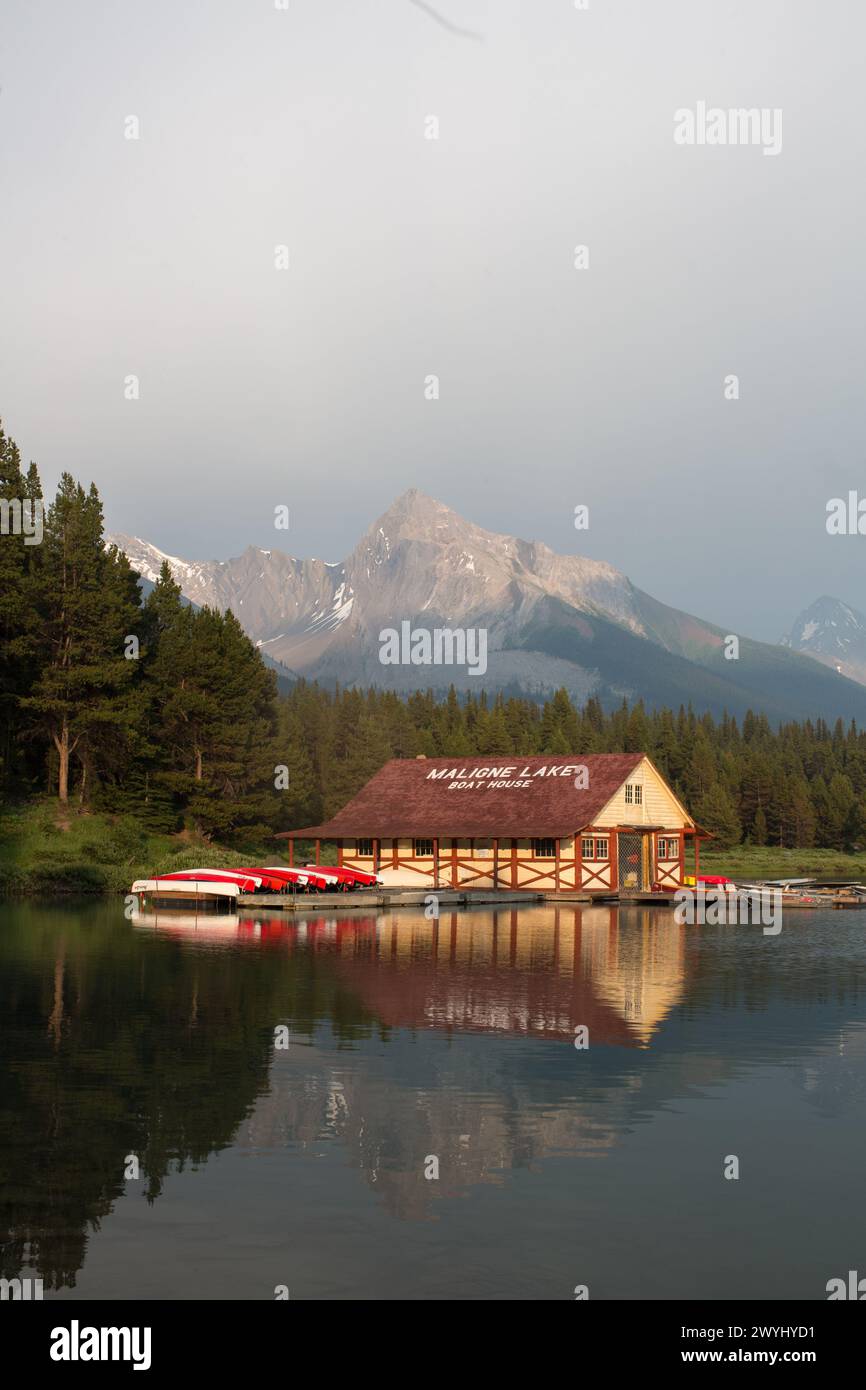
x,y
632,862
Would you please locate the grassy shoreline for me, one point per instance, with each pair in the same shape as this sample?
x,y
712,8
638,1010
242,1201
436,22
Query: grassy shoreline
x,y
766,861
46,852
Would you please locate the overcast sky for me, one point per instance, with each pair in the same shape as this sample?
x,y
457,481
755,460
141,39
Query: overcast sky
x,y
455,257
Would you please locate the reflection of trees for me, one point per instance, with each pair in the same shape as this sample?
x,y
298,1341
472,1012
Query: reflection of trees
x,y
162,1046
123,1046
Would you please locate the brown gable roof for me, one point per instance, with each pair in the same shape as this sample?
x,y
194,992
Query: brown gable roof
x,y
406,798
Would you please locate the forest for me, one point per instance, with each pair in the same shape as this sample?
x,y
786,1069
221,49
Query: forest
x,y
144,706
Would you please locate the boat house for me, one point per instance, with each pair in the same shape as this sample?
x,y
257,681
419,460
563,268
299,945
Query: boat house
x,y
605,824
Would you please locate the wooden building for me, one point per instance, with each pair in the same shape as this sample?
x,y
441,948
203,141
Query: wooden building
x,y
605,823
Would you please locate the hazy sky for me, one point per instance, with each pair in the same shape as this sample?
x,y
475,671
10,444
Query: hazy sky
x,y
410,256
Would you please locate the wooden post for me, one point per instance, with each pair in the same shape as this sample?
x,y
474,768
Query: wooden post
x,y
292,853
436,861
495,864
515,877
697,856
556,879
376,848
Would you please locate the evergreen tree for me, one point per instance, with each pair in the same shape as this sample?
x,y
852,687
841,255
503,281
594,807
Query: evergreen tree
x,y
300,803
715,811
86,610
840,825
636,738
217,721
19,559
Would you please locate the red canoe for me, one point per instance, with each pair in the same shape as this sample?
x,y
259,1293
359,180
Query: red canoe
x,y
281,879
246,879
356,878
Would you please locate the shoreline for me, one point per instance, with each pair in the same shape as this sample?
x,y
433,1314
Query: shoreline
x,y
46,854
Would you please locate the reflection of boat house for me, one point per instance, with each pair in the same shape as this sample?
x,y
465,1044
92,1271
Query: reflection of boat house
x,y
604,823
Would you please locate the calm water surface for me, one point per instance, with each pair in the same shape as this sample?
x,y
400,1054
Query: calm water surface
x,y
411,1040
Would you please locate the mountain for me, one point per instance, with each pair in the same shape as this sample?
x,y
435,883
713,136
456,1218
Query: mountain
x,y
552,620
285,678
833,632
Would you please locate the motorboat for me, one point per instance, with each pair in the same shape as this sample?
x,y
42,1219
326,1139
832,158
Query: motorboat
x,y
202,890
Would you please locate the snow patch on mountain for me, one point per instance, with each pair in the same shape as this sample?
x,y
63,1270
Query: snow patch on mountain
x,y
832,632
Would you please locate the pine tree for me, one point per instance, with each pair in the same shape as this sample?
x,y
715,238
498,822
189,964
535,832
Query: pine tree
x,y
217,722
19,559
636,738
495,739
715,811
362,751
840,825
86,608
300,803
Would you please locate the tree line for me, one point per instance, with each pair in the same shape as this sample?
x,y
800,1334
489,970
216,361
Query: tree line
x,y
801,784
145,705
118,702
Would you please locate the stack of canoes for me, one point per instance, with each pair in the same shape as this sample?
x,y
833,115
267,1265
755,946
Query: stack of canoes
x,y
218,888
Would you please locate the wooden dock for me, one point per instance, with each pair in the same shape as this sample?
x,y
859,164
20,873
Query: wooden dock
x,y
381,899
390,898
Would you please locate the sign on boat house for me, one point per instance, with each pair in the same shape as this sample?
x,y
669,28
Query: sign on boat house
x,y
603,823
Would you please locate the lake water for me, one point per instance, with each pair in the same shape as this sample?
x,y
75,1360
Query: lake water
x,y
413,1043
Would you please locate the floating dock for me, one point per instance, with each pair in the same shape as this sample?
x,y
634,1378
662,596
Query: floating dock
x,y
389,897
385,898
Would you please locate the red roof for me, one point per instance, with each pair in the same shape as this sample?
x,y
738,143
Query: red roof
x,y
478,796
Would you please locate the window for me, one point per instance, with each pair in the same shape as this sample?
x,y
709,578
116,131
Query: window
x,y
633,794
669,847
365,849
422,849
601,851
544,849
587,848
